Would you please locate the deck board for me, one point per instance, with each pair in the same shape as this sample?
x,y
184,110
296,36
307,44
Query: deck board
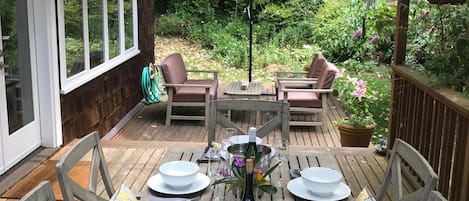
x,y
148,124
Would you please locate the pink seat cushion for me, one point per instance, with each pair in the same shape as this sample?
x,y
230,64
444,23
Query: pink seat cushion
x,y
195,94
302,99
173,69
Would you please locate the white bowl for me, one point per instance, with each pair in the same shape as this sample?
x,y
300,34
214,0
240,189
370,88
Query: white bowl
x,y
179,174
241,139
320,180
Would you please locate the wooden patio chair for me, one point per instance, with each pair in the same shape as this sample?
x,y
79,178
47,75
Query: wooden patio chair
x,y
186,92
413,159
310,76
42,192
309,100
70,188
436,196
217,116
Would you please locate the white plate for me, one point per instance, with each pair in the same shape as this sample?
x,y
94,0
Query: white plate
x,y
239,139
156,183
297,188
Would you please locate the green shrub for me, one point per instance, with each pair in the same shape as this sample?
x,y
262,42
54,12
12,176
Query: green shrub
x,y
171,25
439,43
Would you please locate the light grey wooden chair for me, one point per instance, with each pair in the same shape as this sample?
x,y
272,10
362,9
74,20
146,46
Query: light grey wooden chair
x,y
403,151
71,189
42,192
281,111
436,196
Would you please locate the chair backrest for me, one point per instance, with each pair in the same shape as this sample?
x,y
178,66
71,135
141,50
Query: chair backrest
x,y
42,192
70,188
315,67
326,76
281,110
173,69
436,196
413,159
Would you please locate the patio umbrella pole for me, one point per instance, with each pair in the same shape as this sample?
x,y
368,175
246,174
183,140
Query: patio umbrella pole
x,y
250,38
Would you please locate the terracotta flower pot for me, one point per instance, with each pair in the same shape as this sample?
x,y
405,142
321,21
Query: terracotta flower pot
x,y
355,137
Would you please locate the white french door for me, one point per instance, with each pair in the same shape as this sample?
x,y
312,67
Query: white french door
x,y
19,113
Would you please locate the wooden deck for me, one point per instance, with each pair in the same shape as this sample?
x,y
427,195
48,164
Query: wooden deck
x,y
134,162
137,148
148,125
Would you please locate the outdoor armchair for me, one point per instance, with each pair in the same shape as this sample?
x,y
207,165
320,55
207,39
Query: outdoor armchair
x,y
280,111
309,100
186,92
309,77
69,187
42,192
403,153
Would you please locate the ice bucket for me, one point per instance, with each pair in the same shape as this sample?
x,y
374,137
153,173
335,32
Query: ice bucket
x,y
240,149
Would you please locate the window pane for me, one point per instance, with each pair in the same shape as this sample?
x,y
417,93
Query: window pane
x,y
73,36
18,82
128,21
113,25
95,27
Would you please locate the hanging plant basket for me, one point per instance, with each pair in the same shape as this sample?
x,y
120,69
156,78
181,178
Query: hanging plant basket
x,y
439,2
351,136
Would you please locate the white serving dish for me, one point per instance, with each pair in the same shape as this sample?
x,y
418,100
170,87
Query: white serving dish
x,y
321,181
179,174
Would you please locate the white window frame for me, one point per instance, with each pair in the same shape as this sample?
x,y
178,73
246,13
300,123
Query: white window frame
x,y
68,84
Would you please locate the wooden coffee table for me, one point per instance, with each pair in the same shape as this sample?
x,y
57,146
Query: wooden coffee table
x,y
254,91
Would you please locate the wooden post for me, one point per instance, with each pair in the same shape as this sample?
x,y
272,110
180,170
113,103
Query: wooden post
x,y
401,32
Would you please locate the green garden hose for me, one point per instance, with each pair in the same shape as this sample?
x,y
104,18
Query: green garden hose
x,y
150,86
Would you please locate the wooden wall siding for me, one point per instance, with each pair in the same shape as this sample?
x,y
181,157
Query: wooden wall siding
x,y
435,122
101,103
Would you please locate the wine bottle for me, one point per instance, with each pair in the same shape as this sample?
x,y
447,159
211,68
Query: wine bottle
x,y
248,194
251,150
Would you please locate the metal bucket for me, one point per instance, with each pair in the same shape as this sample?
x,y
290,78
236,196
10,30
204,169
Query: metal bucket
x,y
240,149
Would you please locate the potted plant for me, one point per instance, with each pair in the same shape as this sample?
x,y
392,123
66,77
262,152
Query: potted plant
x,y
358,127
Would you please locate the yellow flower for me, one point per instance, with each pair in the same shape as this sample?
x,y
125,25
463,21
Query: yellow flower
x,y
216,145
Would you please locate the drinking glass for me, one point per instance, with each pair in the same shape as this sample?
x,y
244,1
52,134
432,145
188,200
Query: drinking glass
x,y
282,154
227,133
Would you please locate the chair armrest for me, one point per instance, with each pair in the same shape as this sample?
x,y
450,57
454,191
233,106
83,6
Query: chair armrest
x,y
215,73
188,85
286,79
280,73
308,90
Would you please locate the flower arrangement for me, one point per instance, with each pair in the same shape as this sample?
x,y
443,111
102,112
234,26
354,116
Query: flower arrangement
x,y
355,97
236,174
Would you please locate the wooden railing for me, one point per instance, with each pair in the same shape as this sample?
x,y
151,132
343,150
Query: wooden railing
x,y
435,122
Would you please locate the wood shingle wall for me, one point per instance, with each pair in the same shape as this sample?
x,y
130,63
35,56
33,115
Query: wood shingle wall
x,y
102,102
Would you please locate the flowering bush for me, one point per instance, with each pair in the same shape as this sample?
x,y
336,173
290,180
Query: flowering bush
x,y
235,178
354,95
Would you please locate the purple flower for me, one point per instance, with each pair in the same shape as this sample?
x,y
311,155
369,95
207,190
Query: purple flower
x,y
391,3
357,33
224,172
373,40
239,161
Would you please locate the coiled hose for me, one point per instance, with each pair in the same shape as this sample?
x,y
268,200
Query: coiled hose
x,y
150,86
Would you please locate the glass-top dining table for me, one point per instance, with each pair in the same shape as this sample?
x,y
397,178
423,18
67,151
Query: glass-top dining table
x,y
203,190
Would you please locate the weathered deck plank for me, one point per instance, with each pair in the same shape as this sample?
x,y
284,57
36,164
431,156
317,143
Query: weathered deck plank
x,y
148,124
